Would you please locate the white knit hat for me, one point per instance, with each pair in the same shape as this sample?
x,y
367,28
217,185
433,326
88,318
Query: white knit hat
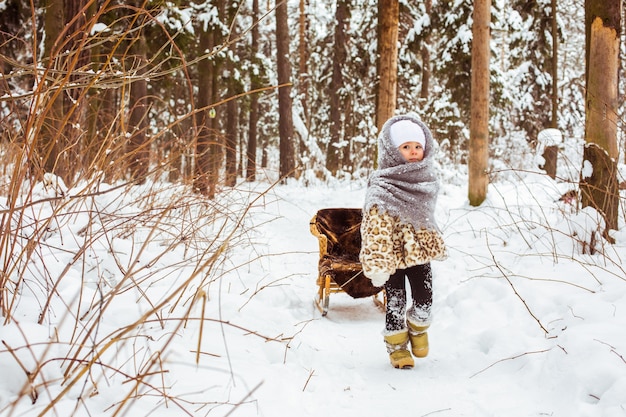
x,y
404,131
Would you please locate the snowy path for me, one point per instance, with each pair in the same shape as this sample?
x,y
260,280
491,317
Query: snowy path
x,y
489,356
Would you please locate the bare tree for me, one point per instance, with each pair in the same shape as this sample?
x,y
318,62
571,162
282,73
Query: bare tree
x,y
551,152
303,56
59,143
102,123
555,65
603,27
138,149
388,19
77,61
600,188
49,144
251,149
231,129
333,152
204,181
479,111
285,120
425,53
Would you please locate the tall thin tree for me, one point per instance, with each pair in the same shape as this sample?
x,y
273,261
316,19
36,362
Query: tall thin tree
x,y
603,27
479,123
333,152
203,169
77,60
303,58
49,142
138,147
425,54
232,109
388,19
251,149
551,151
285,115
599,188
555,65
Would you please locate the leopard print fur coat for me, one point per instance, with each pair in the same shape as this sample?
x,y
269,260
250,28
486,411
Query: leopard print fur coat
x,y
388,244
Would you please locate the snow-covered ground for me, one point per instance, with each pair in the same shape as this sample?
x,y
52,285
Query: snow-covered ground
x,y
527,320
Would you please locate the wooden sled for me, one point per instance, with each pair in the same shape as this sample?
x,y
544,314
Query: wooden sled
x,y
339,269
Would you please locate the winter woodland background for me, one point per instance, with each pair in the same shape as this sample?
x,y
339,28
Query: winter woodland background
x,y
156,257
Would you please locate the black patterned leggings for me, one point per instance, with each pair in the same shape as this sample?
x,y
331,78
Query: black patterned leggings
x,y
420,279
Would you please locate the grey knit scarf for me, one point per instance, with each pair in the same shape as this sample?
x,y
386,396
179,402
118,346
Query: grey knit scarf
x,y
407,190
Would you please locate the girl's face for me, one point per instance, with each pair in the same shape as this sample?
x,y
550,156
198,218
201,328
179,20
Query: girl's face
x,y
412,151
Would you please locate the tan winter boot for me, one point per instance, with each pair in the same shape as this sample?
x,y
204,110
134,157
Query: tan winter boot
x,y
419,339
399,355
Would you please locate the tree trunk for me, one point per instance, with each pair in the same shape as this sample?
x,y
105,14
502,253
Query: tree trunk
x,y
333,153
49,141
551,157
59,144
479,111
203,121
138,150
555,66
388,18
303,57
241,140
551,152
251,149
285,117
231,127
100,146
231,139
73,101
350,130
425,53
602,82
600,189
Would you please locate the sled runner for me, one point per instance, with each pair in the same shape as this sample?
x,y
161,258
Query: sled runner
x,y
339,270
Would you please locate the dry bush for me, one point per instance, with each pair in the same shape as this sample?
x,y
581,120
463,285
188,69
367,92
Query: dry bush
x,y
79,246
76,258
535,221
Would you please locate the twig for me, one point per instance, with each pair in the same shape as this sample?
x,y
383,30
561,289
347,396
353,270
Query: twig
x,y
244,398
29,375
505,276
288,345
437,411
620,356
201,296
311,373
509,359
612,349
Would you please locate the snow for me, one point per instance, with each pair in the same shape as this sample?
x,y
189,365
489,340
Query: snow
x,y
550,137
587,170
528,317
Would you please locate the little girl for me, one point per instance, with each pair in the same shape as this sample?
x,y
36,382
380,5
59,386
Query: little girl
x,y
399,233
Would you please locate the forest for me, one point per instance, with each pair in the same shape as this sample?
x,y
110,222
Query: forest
x,y
191,91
